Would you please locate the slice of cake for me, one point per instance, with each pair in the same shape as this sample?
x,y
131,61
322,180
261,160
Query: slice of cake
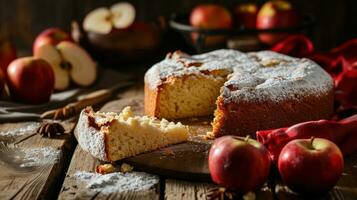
x,y
111,136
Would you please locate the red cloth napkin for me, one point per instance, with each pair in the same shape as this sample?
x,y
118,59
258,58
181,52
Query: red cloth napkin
x,y
343,133
295,45
341,64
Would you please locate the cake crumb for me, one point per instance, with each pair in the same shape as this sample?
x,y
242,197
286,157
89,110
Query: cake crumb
x,y
105,169
124,168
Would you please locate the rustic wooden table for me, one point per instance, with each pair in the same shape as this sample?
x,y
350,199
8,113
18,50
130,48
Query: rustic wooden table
x,y
57,179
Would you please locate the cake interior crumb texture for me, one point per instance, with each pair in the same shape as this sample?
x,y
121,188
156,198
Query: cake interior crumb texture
x,y
136,134
193,96
126,135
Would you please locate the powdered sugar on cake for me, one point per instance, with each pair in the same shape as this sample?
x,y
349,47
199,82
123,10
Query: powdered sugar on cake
x,y
176,65
278,77
256,76
90,140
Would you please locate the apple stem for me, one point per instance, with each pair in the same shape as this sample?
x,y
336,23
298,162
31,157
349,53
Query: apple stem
x,y
312,140
247,138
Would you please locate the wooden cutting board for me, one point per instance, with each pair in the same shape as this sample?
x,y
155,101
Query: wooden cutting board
x,y
182,161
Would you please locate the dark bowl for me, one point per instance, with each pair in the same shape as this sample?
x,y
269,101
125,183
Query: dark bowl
x,y
180,23
132,46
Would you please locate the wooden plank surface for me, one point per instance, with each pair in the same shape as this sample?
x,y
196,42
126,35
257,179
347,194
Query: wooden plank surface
x,y
44,182
177,189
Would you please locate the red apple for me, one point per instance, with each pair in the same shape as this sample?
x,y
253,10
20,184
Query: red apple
x,y
211,16
30,80
51,36
276,14
7,54
246,15
239,163
310,166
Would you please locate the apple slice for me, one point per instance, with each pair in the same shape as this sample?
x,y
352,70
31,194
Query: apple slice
x,y
98,21
49,53
83,70
123,15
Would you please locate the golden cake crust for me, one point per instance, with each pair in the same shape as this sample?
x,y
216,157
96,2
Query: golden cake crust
x,y
151,101
246,118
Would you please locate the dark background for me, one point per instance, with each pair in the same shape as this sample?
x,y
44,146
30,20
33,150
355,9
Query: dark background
x,y
22,20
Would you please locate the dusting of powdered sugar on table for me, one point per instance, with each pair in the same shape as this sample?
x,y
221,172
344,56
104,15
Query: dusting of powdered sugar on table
x,y
117,182
34,157
30,128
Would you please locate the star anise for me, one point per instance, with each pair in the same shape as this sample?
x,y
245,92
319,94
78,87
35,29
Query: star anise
x,y
220,193
50,129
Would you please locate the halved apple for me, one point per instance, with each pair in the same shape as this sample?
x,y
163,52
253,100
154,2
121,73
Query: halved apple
x,y
102,20
69,62
82,69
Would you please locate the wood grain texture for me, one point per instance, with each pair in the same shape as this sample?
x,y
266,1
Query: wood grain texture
x,y
41,184
177,189
185,190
